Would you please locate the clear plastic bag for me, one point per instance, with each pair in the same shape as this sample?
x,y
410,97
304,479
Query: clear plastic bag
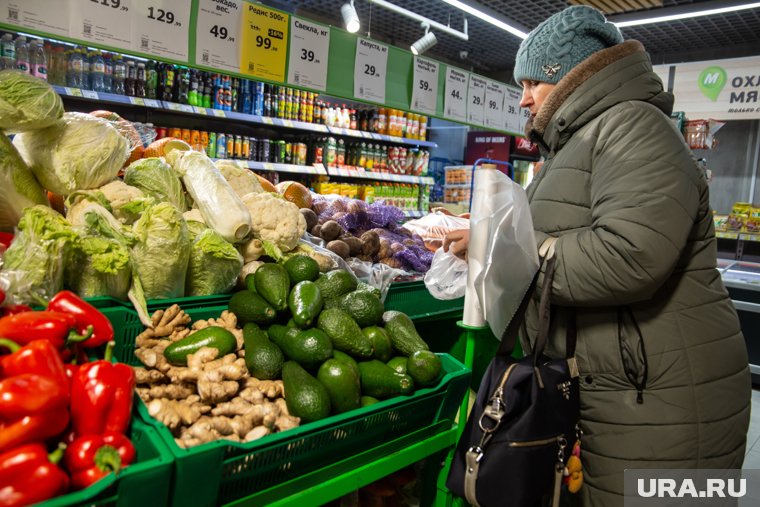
x,y
447,277
432,228
379,276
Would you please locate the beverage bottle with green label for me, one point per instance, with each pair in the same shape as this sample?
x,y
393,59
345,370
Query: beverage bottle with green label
x,y
22,55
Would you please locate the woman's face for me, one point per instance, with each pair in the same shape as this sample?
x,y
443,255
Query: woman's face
x,y
534,94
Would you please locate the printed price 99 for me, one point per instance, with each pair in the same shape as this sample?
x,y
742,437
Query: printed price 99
x,y
307,55
477,100
492,104
424,85
219,32
455,94
115,4
370,70
161,15
264,42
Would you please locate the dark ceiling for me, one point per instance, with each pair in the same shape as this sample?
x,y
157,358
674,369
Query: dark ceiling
x,y
491,51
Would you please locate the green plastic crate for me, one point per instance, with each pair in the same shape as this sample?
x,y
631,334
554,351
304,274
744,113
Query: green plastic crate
x,y
157,304
229,471
145,482
413,299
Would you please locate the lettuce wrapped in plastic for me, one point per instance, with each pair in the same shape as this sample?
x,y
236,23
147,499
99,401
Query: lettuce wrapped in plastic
x,y
19,187
27,103
161,251
100,267
81,152
34,263
156,179
214,263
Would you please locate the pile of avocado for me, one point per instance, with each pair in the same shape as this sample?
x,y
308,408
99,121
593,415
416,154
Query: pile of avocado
x,y
329,339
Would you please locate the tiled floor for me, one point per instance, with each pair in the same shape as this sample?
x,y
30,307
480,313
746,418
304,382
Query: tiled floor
x,y
752,459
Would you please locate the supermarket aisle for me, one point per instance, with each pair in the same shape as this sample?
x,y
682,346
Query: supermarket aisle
x,y
752,459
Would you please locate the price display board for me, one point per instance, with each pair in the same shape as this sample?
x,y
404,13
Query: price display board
x,y
370,68
264,42
512,110
524,117
494,105
103,22
425,85
50,16
476,92
455,96
217,34
161,28
309,49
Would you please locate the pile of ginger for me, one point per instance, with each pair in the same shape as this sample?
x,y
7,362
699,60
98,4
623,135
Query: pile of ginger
x,y
212,397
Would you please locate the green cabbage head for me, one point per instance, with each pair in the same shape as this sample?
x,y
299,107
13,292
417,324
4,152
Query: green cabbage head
x,y
156,179
19,187
214,263
100,267
27,103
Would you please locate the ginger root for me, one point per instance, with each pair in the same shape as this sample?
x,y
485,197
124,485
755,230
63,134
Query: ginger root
x,y
168,391
174,413
164,323
270,388
217,379
145,376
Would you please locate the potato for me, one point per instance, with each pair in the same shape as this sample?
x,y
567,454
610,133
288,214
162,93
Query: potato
x,y
354,245
311,218
339,248
316,231
331,230
385,249
370,243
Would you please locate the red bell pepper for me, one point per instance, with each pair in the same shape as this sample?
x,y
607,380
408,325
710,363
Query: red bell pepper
x,y
55,327
32,408
39,357
101,396
29,475
90,458
2,296
87,317
14,309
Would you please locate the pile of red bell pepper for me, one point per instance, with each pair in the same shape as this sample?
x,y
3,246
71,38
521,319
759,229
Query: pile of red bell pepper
x,y
52,398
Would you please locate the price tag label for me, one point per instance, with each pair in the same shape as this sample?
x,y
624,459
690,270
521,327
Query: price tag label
x,y
455,101
199,110
512,111
43,15
265,42
524,117
267,166
173,106
186,108
161,28
309,49
425,85
476,97
217,34
89,94
136,101
370,69
219,113
494,105
152,103
102,21
73,92
267,120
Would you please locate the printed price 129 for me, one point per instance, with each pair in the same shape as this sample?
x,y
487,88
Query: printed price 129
x,y
162,15
114,4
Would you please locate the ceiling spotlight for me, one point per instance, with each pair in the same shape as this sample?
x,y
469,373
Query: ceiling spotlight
x,y
350,17
426,42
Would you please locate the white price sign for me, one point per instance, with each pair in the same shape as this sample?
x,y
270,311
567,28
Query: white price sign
x,y
51,16
524,117
476,98
425,86
309,47
512,111
217,34
161,27
369,70
103,21
455,102
494,105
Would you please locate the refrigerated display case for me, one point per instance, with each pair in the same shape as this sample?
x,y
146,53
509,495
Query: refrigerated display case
x,y
742,279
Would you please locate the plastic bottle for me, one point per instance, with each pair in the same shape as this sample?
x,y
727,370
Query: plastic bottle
x,y
352,119
8,48
183,85
98,72
57,66
86,69
38,59
74,69
246,102
151,80
22,55
119,75
234,94
140,81
130,79
192,95
208,90
108,72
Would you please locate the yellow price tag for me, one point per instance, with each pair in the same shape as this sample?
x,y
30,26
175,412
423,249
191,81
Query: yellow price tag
x,y
265,42
268,166
74,92
267,120
199,110
219,113
137,101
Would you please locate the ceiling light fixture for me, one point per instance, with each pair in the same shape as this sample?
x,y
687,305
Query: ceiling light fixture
x,y
488,18
425,42
350,17
422,19
681,15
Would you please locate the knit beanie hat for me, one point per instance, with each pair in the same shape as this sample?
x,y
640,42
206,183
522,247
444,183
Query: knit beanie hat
x,y
563,41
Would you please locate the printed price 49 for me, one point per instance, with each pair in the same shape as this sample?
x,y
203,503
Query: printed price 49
x,y
220,32
370,70
114,4
424,85
264,42
162,15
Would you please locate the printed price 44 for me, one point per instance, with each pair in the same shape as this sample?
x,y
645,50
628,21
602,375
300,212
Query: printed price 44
x,y
455,94
162,15
114,4
424,85
220,32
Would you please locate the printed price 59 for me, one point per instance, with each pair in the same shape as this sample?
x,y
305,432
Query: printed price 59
x,y
424,85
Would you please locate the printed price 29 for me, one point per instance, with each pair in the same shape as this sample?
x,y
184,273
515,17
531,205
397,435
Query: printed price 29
x,y
114,4
264,42
219,32
370,70
455,94
477,100
307,55
424,85
492,104
162,15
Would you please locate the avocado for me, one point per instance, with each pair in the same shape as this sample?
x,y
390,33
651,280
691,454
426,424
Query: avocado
x,y
345,333
424,367
345,358
365,308
380,342
309,348
335,283
365,287
250,307
399,363
342,384
381,381
306,397
366,401
402,333
305,303
301,268
215,337
250,283
273,284
263,358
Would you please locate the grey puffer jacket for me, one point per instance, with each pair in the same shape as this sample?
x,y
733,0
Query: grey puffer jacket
x,y
664,371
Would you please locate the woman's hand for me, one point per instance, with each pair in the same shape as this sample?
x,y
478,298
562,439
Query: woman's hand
x,y
458,241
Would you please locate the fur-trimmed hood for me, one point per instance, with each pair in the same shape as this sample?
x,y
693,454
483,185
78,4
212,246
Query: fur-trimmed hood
x,y
608,77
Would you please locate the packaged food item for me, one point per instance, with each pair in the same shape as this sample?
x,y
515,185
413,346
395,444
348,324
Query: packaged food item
x,y
186,136
221,145
422,133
